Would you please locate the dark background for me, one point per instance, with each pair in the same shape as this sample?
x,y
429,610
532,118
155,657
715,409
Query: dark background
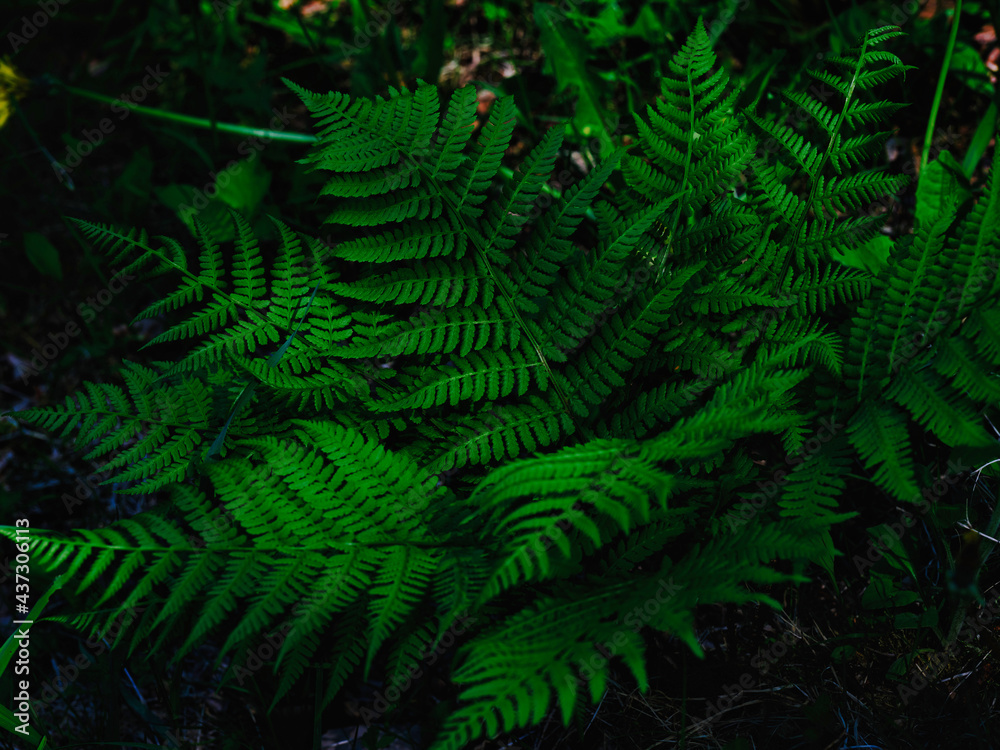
x,y
223,61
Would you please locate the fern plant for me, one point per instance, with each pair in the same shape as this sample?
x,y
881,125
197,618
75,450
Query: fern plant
x,y
533,422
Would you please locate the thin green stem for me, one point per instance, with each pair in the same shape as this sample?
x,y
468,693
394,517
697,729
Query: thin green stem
x,y
196,122
935,105
816,177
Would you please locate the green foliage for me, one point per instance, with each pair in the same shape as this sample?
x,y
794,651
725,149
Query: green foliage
x,y
478,408
566,51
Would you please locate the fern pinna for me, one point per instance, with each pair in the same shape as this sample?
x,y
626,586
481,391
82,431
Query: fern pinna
x,y
530,419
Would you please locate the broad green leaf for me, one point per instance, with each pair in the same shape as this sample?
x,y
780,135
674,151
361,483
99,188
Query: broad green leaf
x,y
188,202
42,254
980,141
882,592
244,185
871,257
891,548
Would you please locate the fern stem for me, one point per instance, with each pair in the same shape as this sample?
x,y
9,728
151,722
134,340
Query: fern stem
x,y
163,258
939,93
815,178
196,122
216,450
662,262
556,194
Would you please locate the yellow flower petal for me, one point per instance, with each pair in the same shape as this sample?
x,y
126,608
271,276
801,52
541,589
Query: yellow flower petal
x,y
13,85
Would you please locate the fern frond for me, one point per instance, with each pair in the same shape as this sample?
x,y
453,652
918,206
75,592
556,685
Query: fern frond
x,y
878,431
156,429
